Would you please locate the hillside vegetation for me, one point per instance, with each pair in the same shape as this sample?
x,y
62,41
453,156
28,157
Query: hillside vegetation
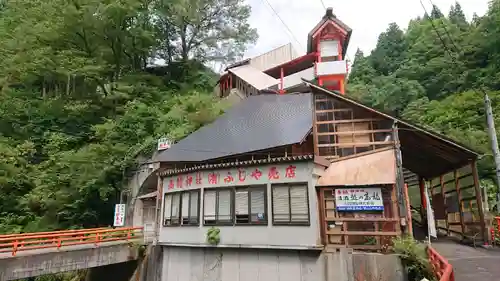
x,y
80,98
413,75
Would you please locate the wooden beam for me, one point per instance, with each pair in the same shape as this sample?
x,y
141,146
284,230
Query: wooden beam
x,y
459,199
479,201
441,182
350,121
354,144
356,132
315,129
399,174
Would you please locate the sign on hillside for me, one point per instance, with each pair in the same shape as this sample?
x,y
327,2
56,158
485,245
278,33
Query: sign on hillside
x,y
359,199
164,143
119,219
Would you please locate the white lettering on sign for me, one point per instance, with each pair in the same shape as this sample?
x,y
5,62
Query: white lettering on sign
x,y
359,199
119,215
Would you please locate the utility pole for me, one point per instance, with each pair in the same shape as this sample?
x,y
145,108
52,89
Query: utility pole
x,y
494,145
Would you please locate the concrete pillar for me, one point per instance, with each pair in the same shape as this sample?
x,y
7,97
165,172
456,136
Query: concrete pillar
x,y
339,266
149,268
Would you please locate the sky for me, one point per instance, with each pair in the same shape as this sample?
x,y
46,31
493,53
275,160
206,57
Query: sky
x,y
367,18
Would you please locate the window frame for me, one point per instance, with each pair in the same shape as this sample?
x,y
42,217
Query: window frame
x,y
290,222
249,189
217,222
179,217
232,191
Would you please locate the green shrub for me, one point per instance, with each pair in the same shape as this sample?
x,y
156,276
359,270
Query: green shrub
x,y
213,237
414,256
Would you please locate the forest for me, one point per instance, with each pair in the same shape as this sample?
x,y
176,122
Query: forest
x,y
435,72
87,86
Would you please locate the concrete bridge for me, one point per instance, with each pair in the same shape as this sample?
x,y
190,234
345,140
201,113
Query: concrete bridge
x,y
35,254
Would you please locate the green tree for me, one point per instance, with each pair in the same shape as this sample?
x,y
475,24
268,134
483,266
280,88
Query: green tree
x,y
436,13
213,30
390,50
457,16
80,102
362,70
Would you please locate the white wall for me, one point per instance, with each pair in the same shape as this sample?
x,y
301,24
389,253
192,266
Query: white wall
x,y
262,236
209,264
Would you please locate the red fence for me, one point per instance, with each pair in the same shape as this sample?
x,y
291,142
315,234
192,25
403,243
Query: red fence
x,y
57,239
442,268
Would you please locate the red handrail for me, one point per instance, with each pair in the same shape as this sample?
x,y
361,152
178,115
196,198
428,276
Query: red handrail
x,y
49,232
43,240
441,267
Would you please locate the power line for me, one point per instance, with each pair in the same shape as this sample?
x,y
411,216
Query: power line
x,y
323,3
453,59
437,32
446,31
283,22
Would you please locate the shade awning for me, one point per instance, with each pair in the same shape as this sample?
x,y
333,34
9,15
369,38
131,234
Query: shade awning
x,y
369,169
256,78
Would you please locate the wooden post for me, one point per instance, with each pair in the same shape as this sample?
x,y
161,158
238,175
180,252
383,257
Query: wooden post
x,y
421,185
408,210
479,201
399,176
282,77
441,183
459,198
315,126
322,216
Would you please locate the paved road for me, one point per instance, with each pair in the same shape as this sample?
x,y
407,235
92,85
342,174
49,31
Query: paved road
x,y
469,263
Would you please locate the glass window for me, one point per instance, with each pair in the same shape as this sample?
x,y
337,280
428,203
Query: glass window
x,y
230,206
290,204
181,208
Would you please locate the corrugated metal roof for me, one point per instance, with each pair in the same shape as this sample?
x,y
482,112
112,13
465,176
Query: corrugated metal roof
x,y
256,123
258,79
274,57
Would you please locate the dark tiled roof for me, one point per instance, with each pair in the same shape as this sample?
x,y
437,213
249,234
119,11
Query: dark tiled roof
x,y
256,123
327,17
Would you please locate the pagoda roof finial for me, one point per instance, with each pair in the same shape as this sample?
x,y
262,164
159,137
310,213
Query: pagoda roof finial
x,y
329,13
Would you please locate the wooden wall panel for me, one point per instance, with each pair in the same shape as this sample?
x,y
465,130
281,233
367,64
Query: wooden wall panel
x,y
369,169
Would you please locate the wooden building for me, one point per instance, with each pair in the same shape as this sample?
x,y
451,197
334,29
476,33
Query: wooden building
x,y
307,171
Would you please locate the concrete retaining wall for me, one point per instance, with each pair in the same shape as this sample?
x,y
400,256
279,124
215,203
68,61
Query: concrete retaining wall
x,y
41,262
345,265
225,264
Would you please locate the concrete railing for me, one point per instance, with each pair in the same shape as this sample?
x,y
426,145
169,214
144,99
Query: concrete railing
x,y
441,267
296,78
58,239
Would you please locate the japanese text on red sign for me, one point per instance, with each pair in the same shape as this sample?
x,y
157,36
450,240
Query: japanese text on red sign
x,y
241,175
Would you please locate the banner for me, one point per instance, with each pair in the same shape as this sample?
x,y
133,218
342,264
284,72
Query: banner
x,y
359,199
119,219
431,225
